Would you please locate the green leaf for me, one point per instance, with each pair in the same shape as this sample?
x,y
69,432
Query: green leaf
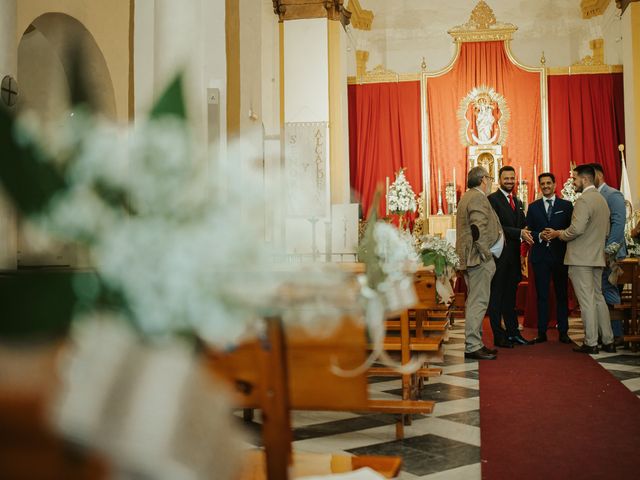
x,y
171,102
429,257
29,178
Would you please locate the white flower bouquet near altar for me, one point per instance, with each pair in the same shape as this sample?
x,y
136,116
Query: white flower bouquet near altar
x,y
568,190
442,256
401,198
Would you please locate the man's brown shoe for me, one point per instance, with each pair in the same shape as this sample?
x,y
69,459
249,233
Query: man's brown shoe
x,y
480,355
491,351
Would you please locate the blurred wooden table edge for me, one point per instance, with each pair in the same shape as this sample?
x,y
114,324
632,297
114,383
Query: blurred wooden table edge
x,y
307,464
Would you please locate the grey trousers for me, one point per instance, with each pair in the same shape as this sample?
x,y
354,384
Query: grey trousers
x,y
587,283
478,280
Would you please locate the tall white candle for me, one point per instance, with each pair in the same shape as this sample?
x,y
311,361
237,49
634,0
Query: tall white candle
x,y
454,180
535,180
439,181
386,198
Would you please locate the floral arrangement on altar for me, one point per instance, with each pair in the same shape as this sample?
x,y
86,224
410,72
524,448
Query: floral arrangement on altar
x,y
568,190
400,197
437,252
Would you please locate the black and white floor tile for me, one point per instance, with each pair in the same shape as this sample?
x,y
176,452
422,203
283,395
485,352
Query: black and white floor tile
x,y
441,446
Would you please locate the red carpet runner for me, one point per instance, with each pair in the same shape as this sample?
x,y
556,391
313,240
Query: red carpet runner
x,y
547,412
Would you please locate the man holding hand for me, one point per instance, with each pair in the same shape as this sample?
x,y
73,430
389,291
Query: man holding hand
x,y
586,237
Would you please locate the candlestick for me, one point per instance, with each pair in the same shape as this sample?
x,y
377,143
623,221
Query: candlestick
x,y
535,180
455,192
386,198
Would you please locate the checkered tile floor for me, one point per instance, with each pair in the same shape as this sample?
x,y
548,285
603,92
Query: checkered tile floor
x,y
444,445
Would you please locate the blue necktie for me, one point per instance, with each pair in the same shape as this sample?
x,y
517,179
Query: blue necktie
x,y
550,202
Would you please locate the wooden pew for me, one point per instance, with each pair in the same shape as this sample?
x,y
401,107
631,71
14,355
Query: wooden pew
x,y
630,298
291,370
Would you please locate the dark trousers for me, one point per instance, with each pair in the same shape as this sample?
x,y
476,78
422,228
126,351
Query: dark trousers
x,y
502,303
545,270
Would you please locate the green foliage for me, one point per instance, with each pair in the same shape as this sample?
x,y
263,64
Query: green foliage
x,y
171,102
367,248
26,173
430,257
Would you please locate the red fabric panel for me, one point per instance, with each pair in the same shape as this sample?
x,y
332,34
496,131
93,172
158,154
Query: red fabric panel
x,y
586,123
483,63
384,136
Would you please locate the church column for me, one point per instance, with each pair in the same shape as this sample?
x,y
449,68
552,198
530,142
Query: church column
x,y
8,66
631,62
314,84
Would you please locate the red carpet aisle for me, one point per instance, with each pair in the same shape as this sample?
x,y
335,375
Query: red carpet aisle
x,y
547,412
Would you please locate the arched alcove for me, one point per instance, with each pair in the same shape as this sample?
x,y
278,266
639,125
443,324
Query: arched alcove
x,y
44,72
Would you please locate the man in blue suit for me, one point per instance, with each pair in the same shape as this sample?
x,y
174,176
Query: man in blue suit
x,y
547,256
618,209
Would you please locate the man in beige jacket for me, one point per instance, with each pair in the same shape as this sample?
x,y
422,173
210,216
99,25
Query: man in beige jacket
x,y
479,238
586,237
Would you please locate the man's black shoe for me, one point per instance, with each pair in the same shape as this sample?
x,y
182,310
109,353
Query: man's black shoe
x,y
502,343
618,341
491,351
584,348
480,355
564,338
609,348
519,340
541,338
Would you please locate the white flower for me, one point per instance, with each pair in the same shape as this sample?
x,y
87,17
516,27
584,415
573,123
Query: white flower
x,y
400,198
568,190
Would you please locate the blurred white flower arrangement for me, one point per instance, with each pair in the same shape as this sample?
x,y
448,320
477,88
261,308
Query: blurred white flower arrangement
x,y
442,255
170,241
399,261
401,198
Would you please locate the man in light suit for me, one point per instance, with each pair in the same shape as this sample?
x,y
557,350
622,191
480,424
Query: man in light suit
x,y
618,209
504,286
478,239
547,256
586,238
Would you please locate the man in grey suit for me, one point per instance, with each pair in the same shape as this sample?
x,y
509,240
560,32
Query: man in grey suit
x,y
479,238
586,237
618,209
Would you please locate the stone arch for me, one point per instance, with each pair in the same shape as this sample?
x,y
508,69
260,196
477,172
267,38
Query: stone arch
x,y
44,66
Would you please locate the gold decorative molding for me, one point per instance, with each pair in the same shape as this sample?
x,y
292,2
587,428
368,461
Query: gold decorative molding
x,y
584,69
593,8
381,75
597,54
361,19
482,27
362,57
305,9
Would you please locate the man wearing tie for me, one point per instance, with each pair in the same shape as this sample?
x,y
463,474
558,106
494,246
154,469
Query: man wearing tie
x,y
502,303
586,237
547,256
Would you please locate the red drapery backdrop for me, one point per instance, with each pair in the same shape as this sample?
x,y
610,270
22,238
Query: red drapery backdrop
x,y
586,123
483,63
384,136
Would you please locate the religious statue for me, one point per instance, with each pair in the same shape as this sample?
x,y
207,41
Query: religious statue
x,y
484,122
483,115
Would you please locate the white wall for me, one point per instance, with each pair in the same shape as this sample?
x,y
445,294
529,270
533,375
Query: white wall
x,y
306,97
